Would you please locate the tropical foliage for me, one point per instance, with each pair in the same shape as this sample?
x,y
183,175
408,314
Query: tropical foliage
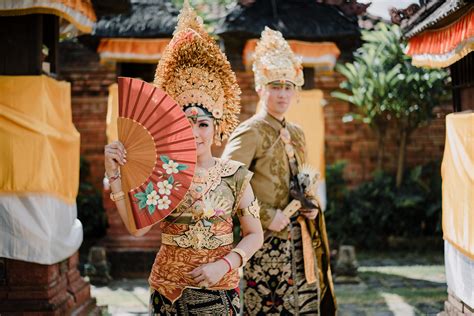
x,y
210,10
387,90
372,214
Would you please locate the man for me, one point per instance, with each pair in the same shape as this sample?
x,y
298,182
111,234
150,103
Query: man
x,y
290,275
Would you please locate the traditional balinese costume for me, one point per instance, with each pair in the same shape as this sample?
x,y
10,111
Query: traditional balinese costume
x,y
290,275
195,73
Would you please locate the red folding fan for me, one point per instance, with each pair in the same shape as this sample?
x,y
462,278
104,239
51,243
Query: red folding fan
x,y
161,151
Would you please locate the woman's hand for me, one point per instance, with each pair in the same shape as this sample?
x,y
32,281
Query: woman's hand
x,y
115,155
209,274
279,222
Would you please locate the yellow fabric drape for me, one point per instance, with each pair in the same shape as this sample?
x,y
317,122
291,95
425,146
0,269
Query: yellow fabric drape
x,y
307,112
112,113
39,144
80,13
458,183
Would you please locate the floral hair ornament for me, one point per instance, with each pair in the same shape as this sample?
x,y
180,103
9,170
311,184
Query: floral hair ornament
x,y
193,70
275,61
193,114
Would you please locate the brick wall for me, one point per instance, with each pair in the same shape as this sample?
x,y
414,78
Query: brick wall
x,y
89,87
357,144
353,142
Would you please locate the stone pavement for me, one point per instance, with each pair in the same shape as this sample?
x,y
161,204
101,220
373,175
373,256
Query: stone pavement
x,y
394,290
384,291
123,297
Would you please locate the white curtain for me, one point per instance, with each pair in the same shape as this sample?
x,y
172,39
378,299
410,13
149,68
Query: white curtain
x,y
459,273
38,228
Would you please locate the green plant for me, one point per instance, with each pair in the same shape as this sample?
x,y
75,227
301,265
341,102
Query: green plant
x,y
210,10
369,215
90,210
384,86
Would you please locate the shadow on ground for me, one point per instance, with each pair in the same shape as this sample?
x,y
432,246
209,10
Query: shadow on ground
x,y
381,293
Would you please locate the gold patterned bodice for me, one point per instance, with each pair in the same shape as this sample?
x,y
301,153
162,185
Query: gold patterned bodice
x,y
200,230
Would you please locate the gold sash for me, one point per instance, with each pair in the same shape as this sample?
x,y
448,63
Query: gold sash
x,y
308,252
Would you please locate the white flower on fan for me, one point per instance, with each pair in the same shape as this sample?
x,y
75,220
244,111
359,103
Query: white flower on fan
x,y
171,167
164,203
164,187
152,198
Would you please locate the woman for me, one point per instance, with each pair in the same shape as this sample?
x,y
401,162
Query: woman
x,y
196,269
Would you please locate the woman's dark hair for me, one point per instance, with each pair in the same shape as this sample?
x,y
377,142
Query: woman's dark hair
x,y
197,105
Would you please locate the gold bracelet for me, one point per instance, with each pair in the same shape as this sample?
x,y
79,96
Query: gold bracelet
x,y
242,255
253,209
117,196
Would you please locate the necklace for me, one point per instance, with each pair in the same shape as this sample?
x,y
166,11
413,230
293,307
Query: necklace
x,y
200,180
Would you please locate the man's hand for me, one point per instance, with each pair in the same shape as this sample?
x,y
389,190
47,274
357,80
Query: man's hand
x,y
279,222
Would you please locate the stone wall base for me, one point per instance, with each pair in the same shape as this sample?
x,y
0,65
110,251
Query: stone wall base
x,y
453,306
28,288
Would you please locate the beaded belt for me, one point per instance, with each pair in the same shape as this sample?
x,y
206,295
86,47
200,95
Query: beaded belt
x,y
197,237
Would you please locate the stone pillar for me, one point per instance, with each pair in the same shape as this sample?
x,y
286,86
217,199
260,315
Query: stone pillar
x,y
129,256
56,289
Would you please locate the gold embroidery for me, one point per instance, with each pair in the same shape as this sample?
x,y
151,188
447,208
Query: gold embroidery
x,y
201,202
198,237
214,205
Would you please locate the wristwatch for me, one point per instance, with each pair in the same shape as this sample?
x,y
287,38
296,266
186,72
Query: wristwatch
x,y
117,196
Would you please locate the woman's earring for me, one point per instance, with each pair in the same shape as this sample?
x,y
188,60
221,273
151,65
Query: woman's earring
x,y
217,141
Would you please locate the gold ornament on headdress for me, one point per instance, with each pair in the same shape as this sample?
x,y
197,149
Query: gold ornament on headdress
x,y
275,61
193,70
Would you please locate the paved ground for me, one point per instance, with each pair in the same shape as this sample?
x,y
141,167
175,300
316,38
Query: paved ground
x,y
392,290
123,297
396,286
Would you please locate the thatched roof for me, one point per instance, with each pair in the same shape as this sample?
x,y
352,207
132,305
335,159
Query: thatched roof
x,y
103,7
296,19
145,19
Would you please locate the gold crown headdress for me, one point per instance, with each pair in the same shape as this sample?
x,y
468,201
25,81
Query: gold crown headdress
x,y
193,70
275,61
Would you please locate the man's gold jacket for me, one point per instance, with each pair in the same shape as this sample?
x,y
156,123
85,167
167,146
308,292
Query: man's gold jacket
x,y
256,143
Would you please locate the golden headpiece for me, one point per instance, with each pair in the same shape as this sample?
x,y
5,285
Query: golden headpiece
x,y
275,61
194,71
